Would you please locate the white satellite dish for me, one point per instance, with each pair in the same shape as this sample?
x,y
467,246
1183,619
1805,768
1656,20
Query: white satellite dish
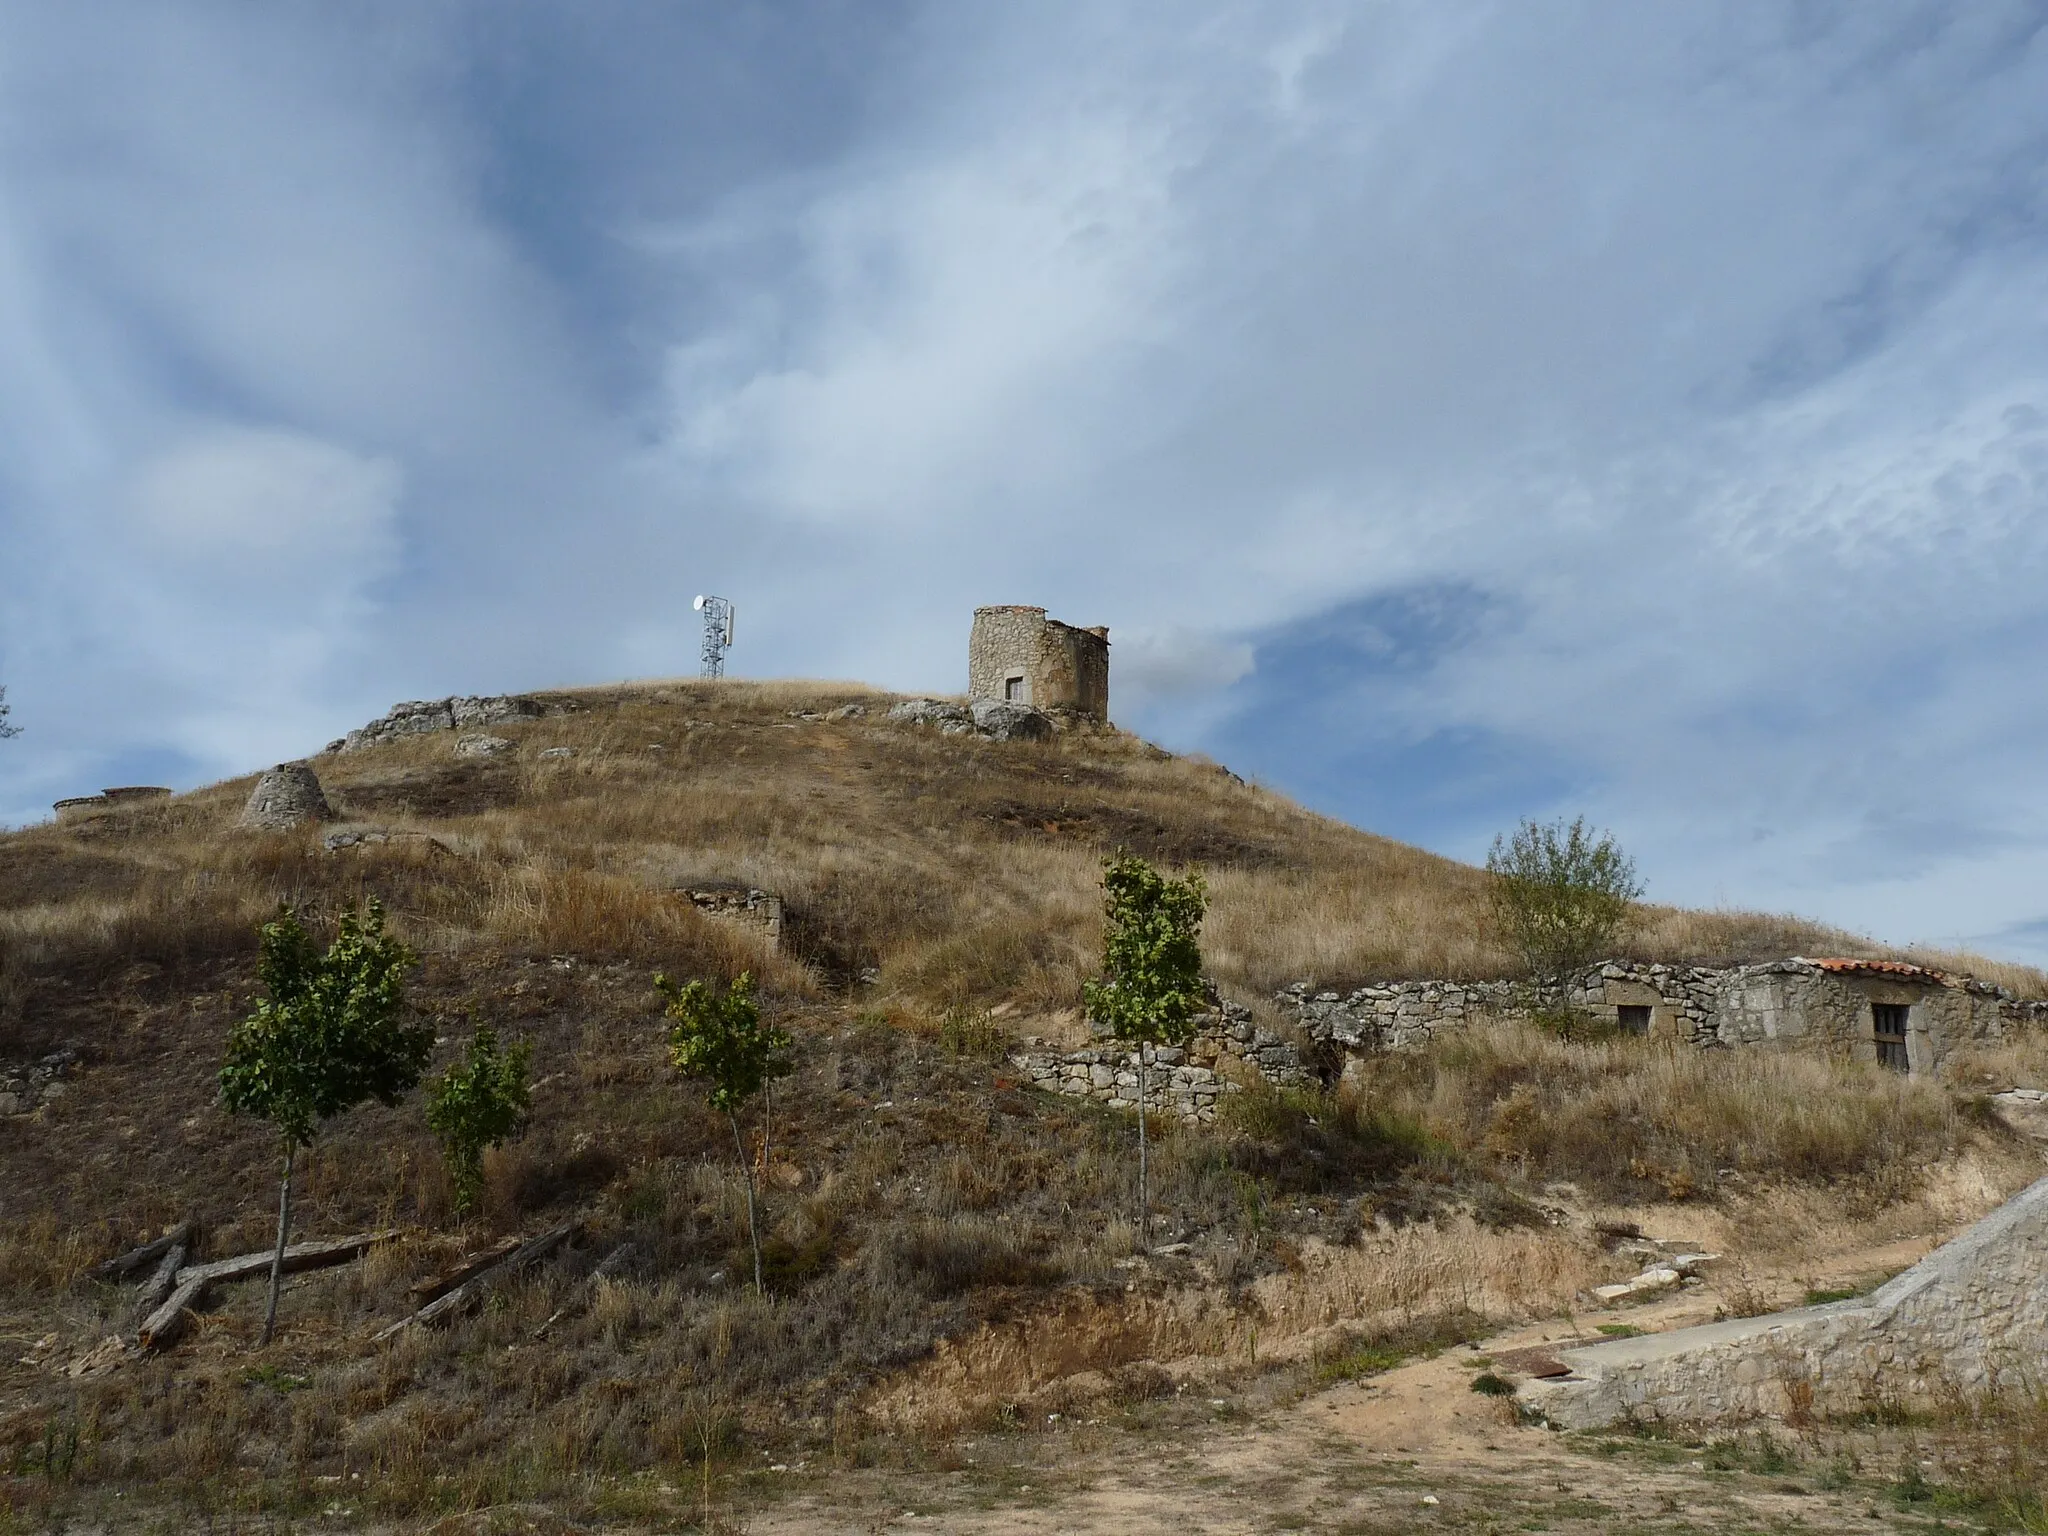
x,y
699,604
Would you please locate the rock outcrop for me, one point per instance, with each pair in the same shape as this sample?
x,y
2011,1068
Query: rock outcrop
x,y
284,797
420,716
994,719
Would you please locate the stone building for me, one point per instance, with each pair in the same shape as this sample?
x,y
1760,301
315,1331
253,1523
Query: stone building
x,y
1902,1016
1018,655
1905,1017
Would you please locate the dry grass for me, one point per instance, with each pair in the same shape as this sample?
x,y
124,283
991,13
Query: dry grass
x,y
935,888
1629,1119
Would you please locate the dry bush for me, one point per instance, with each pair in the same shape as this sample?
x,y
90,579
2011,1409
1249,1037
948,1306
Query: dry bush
x,y
1634,1118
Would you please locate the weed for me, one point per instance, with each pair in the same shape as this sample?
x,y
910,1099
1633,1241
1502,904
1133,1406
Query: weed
x,y
1489,1385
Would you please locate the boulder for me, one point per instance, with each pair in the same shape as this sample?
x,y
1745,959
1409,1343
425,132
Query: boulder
x,y
1003,720
477,744
284,797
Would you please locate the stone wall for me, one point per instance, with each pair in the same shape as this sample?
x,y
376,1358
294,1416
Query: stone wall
x,y
1797,1003
1063,668
1227,1049
1969,1317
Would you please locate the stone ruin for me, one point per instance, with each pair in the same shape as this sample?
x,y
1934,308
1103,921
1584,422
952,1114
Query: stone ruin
x,y
79,807
759,910
285,797
1228,1048
1016,655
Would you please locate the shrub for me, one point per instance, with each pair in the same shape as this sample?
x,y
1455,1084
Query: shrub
x,y
1560,894
477,1103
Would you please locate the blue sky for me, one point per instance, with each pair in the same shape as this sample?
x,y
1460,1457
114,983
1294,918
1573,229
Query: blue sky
x,y
1458,411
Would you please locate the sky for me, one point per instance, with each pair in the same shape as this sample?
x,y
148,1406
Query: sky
x,y
1458,411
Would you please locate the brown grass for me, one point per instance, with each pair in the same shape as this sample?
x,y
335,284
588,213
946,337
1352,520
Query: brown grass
x,y
938,889
1628,1118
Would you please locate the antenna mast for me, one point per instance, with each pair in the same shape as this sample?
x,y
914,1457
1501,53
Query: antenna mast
x,y
717,633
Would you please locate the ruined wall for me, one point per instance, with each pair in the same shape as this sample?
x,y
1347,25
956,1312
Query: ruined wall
x,y
1228,1047
1063,668
1406,1015
1971,1316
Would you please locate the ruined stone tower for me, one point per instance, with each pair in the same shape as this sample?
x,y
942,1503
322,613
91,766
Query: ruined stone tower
x,y
1018,654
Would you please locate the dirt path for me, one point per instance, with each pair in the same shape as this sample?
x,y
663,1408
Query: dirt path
x,y
1414,1449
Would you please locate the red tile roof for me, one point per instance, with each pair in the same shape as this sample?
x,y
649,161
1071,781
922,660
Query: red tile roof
x,y
1880,968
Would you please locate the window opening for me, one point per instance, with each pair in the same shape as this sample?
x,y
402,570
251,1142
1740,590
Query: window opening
x,y
1634,1018
1888,1028
1013,689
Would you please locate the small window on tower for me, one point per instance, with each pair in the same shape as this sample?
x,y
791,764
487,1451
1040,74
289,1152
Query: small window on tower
x,y
1013,689
1634,1018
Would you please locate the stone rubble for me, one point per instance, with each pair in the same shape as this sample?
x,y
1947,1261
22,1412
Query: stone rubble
x,y
478,744
23,1090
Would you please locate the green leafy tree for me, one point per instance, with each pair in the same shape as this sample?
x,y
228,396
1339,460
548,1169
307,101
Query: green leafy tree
x,y
1561,895
327,1038
719,1039
6,709
477,1103
1150,992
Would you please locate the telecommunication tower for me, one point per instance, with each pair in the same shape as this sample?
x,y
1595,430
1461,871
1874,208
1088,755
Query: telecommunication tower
x,y
717,633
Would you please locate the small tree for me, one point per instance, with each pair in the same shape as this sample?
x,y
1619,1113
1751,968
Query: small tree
x,y
1150,991
1561,895
477,1103
327,1038
718,1038
6,709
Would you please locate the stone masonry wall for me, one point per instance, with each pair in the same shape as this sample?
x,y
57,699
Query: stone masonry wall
x,y
1785,1002
1968,1318
1064,668
1185,1084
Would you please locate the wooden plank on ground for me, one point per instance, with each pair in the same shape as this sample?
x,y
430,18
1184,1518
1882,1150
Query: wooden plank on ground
x,y
476,1285
162,1327
135,1258
299,1256
436,1286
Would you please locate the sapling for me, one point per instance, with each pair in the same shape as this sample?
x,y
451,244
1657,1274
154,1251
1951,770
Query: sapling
x,y
476,1104
327,1038
718,1038
1150,992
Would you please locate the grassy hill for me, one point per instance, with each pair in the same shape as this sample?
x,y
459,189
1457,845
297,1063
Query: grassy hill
x,y
941,898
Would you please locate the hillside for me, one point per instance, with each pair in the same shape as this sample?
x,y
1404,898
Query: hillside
x,y
922,1207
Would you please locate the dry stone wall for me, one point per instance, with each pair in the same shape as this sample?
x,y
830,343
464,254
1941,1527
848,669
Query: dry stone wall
x,y
1784,1002
1969,1318
1228,1047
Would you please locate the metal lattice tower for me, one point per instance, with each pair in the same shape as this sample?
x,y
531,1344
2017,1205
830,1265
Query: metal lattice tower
x,y
717,633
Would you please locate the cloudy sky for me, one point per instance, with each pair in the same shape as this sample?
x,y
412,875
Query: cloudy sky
x,y
1457,410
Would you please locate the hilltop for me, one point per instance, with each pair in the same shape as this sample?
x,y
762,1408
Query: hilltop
x,y
950,1252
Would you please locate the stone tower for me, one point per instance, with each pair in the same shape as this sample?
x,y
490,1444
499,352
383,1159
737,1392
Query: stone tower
x,y
1018,654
